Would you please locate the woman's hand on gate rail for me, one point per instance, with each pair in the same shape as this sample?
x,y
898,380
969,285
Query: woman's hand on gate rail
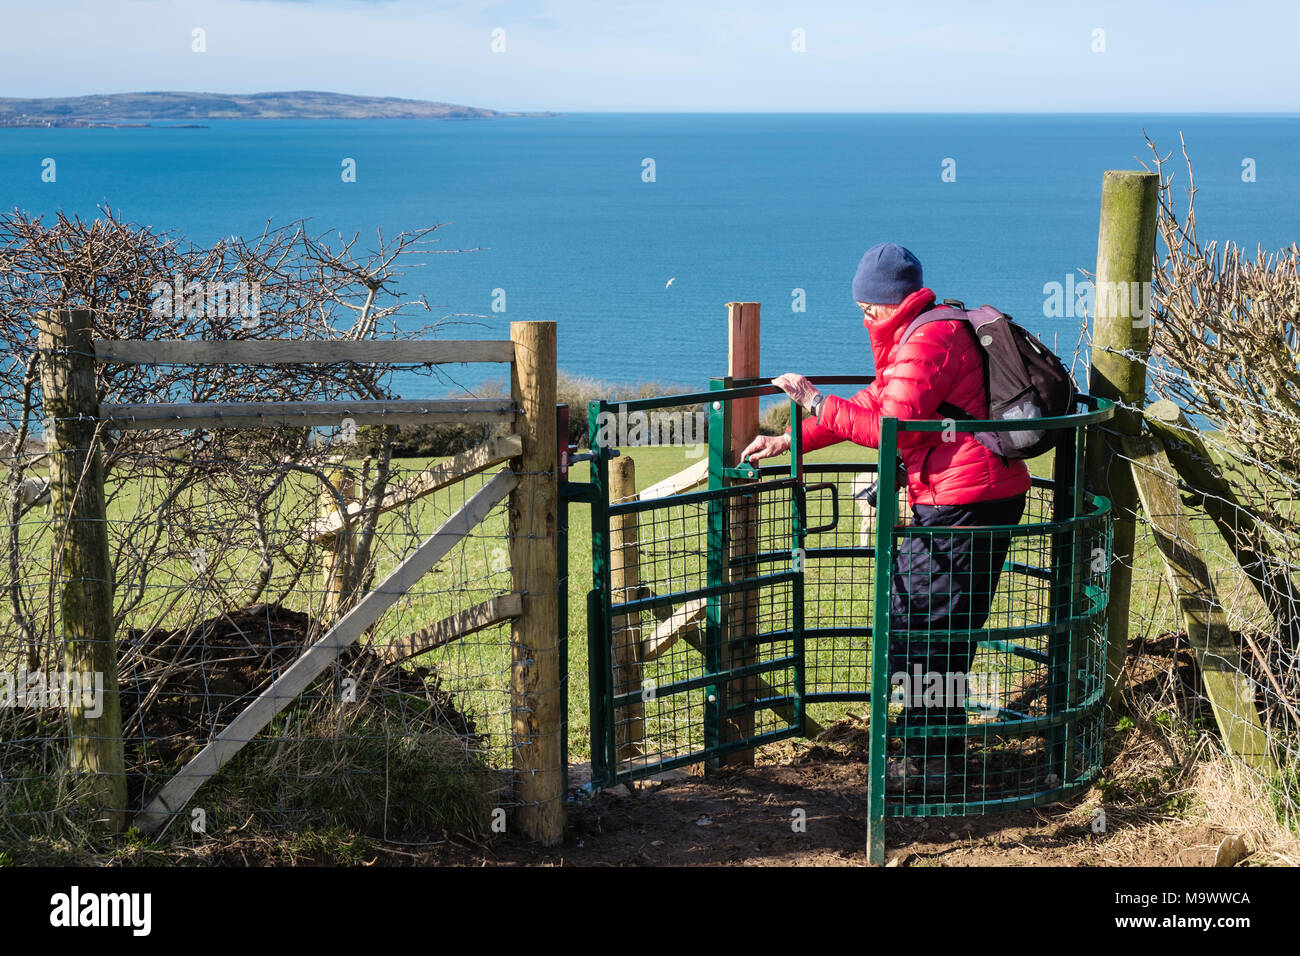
x,y
765,446
798,388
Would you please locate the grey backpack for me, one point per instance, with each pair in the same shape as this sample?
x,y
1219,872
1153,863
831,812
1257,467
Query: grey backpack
x,y
1023,377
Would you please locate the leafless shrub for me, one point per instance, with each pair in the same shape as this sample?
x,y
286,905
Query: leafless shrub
x,y
1225,345
184,504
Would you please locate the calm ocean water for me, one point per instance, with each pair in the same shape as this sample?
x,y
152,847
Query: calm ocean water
x,y
743,206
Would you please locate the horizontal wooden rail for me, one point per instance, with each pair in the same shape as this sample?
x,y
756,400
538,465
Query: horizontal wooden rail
x,y
297,352
263,414
454,627
692,477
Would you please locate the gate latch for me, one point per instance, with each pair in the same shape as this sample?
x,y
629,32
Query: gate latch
x,y
744,471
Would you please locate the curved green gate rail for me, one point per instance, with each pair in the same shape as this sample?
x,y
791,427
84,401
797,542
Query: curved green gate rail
x,y
759,598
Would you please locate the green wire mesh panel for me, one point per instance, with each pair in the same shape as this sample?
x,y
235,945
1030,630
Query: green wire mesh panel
x,y
989,640
1010,714
709,632
751,602
838,586
1012,739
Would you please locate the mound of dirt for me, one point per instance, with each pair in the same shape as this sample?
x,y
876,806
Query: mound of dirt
x,y
181,687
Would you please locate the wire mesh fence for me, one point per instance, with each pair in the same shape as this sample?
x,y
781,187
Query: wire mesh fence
x,y
221,580
685,612
1234,627
746,612
1206,427
1011,678
997,656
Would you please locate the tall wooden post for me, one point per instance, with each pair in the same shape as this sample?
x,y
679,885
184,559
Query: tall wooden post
x,y
71,409
744,342
337,566
1126,246
625,585
535,692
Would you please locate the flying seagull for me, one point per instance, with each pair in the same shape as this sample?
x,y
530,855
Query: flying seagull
x,y
670,282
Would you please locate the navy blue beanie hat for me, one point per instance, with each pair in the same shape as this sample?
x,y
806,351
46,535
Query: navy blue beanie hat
x,y
887,275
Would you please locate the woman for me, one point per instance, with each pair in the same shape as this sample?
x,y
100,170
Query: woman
x,y
939,582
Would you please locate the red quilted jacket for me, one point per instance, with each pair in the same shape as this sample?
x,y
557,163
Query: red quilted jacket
x,y
940,362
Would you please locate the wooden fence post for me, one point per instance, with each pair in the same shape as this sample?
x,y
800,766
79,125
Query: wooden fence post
x,y
71,409
338,574
536,718
625,585
744,343
1126,244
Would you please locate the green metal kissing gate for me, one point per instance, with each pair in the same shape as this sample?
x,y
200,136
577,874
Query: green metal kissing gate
x,y
712,641
746,613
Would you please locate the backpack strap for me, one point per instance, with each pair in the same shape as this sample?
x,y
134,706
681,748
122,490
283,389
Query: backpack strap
x,y
954,309
938,313
951,310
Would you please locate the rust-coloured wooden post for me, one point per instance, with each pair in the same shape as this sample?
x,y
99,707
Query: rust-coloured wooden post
x,y
85,586
536,717
1126,245
740,649
625,585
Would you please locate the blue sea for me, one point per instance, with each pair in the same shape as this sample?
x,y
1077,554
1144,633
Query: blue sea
x,y
775,208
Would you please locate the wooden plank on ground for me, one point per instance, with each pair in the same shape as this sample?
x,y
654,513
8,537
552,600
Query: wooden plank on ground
x,y
1229,690
669,632
691,477
267,414
444,473
176,793
684,623
296,352
454,626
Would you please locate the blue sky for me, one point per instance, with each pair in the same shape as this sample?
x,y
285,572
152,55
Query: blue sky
x,y
676,55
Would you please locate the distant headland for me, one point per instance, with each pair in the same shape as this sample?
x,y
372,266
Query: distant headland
x,y
190,109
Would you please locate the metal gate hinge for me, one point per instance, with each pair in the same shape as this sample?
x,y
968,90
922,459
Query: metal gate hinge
x,y
591,455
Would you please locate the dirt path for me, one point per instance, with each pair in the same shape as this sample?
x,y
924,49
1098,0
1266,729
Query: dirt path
x,y
747,817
